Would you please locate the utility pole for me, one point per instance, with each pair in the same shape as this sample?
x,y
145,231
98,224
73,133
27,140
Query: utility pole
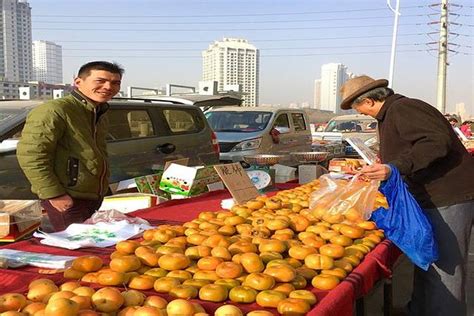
x,y
442,58
396,13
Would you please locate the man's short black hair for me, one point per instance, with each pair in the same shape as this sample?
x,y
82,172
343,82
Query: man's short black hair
x,y
114,68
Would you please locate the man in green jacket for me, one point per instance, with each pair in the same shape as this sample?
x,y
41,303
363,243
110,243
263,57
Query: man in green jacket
x,y
62,150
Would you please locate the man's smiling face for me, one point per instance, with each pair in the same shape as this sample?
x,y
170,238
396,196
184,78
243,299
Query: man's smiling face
x,y
99,86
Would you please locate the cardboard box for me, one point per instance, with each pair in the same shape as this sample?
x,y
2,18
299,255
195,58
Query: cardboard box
x,y
187,181
129,202
149,184
18,218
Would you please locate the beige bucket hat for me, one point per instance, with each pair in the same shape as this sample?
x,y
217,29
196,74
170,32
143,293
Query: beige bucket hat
x,y
354,88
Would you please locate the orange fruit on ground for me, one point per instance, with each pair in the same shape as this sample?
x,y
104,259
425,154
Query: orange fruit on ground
x,y
331,250
353,232
184,291
251,262
306,295
32,308
87,312
61,307
39,292
60,294
39,281
87,263
127,246
174,261
142,282
111,278
12,302
155,301
269,298
229,270
107,299
325,282
281,272
69,286
209,263
84,302
84,291
293,306
228,310
260,313
149,311
133,298
180,307
125,263
213,293
165,284
259,281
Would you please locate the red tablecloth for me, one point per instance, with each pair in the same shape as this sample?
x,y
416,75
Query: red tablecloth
x,y
340,301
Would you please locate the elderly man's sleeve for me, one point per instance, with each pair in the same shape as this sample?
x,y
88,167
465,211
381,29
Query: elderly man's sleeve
x,y
430,138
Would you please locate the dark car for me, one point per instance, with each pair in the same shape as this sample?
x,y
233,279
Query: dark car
x,y
143,133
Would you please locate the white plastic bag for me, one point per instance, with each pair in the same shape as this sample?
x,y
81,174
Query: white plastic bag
x,y
342,197
100,235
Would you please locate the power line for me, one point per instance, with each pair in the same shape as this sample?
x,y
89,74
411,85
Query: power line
x,y
223,22
253,40
219,15
199,50
279,55
220,30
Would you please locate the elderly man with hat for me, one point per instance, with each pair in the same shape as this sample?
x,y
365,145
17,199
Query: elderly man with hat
x,y
418,140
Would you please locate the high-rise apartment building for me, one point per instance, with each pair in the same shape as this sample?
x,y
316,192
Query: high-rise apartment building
x,y
15,41
317,94
233,61
47,62
333,76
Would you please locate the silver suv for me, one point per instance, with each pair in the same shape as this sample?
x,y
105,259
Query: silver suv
x,y
142,133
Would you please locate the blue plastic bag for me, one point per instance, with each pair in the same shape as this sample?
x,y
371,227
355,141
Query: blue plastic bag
x,y
405,223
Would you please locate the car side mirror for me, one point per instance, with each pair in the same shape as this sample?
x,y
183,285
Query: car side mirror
x,y
8,146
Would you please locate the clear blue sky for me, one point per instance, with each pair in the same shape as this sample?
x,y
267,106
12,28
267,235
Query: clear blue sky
x,y
160,42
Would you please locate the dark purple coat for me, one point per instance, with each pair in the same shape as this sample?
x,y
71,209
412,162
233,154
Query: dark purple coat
x,y
420,142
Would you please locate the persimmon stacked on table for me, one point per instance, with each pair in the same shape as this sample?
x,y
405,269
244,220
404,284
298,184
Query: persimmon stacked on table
x,y
268,250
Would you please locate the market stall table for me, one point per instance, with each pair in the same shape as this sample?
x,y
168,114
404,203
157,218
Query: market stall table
x,y
339,301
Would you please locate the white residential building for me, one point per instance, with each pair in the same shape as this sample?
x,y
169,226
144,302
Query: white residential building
x,y
317,94
47,62
233,61
15,43
333,76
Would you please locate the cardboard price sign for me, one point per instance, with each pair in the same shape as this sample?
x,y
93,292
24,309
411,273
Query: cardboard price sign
x,y
237,182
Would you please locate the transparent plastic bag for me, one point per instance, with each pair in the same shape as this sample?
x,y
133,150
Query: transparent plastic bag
x,y
355,199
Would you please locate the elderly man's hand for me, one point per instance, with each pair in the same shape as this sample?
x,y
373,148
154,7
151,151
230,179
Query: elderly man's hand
x,y
376,171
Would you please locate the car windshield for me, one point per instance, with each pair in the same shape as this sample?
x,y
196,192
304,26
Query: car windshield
x,y
358,126
237,121
7,114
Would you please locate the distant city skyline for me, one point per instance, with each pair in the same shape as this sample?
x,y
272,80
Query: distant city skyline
x,y
159,42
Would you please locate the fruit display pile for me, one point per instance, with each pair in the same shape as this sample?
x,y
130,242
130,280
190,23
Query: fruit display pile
x,y
268,251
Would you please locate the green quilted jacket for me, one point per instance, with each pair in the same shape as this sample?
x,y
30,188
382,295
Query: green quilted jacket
x,y
63,148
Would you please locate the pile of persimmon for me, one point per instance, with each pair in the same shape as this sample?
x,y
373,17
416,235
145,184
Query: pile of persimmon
x,y
45,298
267,251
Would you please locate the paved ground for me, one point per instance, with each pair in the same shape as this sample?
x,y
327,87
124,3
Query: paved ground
x,y
402,287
